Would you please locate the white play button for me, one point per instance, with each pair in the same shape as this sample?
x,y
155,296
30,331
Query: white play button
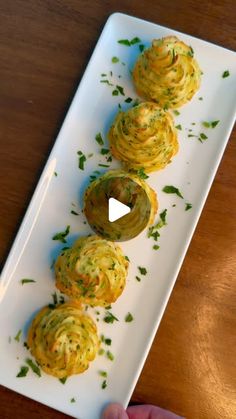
x,y
117,210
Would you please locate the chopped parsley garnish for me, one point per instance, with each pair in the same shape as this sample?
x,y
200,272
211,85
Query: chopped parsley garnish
x,y
98,138
103,75
33,366
23,372
107,82
115,60
82,160
17,337
176,112
200,98
152,232
210,124
25,344
120,89
103,374
163,217
138,278
55,174
142,270
135,40
162,221
110,318
72,400
141,47
128,100
103,165
142,174
179,127
26,281
110,356
126,257
104,384
191,52
136,103
129,318
172,189
115,92
63,380
101,351
54,297
61,236
188,206
74,212
104,151
107,341
225,74
202,137
124,42
128,43
156,247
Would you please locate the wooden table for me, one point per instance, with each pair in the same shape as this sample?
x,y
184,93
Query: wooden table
x,y
44,47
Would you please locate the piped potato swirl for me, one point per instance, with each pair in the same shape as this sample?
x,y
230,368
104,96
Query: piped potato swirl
x,y
63,340
167,73
144,137
132,191
93,271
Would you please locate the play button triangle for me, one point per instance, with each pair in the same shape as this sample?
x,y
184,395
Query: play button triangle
x,y
116,210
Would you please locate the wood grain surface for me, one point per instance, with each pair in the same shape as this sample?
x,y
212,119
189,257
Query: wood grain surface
x,y
44,47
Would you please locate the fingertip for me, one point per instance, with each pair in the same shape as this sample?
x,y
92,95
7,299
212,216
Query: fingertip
x,y
114,411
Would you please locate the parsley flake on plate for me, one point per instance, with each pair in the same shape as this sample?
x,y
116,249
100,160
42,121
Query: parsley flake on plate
x,y
129,318
202,137
82,160
110,356
120,89
128,43
33,366
188,206
115,60
141,47
18,335
110,318
104,384
170,189
62,235
74,212
99,139
225,74
176,112
63,380
26,281
210,124
103,374
143,271
23,372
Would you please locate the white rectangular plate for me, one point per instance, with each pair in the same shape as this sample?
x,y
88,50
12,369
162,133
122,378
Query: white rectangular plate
x,y
192,171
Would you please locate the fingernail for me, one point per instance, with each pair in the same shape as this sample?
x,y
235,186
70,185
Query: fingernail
x,y
114,411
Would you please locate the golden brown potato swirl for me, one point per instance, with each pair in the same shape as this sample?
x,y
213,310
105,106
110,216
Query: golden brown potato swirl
x,y
93,271
63,340
144,137
127,188
167,73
